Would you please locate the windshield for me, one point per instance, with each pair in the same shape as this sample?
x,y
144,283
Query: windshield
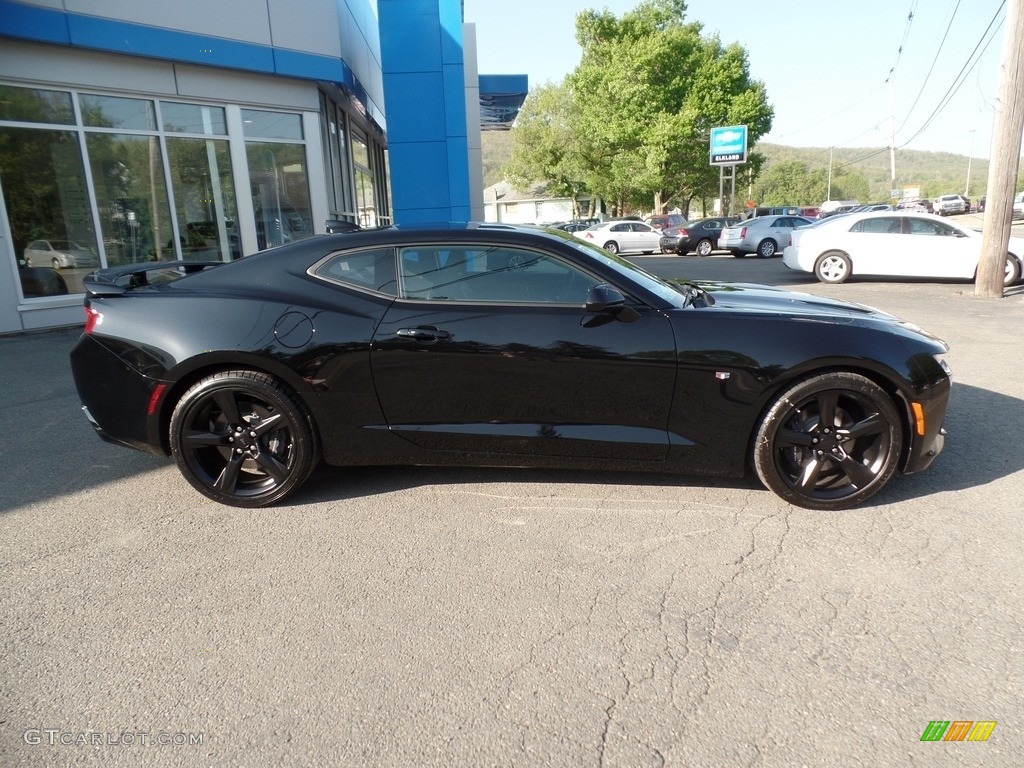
x,y
667,291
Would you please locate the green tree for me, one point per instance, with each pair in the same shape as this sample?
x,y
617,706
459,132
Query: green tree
x,y
647,92
545,147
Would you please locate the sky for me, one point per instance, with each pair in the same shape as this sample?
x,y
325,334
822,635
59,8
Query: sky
x,y
824,63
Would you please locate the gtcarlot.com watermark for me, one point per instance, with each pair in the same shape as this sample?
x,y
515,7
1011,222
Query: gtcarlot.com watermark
x,y
60,737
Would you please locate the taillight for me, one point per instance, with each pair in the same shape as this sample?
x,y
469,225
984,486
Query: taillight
x,y
92,319
588,236
743,233
683,233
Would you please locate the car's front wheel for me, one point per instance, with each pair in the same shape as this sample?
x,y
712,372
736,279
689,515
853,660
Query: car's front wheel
x,y
829,442
56,263
704,248
243,438
611,246
832,267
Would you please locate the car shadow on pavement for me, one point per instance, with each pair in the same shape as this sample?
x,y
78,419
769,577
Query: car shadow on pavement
x,y
971,458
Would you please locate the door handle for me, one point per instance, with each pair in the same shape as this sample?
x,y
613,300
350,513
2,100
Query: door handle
x,y
425,333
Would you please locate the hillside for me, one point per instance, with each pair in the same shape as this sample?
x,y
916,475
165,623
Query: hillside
x,y
936,173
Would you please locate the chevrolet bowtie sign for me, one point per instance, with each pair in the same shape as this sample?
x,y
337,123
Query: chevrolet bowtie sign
x,y
729,145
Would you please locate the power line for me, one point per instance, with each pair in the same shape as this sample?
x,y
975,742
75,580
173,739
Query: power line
x,y
931,68
958,81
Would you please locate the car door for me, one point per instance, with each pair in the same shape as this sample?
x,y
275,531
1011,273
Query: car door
x,y
938,249
492,350
875,245
644,237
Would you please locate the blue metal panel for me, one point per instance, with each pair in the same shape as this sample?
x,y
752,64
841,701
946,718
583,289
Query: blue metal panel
x,y
33,23
410,40
426,130
139,40
419,176
454,100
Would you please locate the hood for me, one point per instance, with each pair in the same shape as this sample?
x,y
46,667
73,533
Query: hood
x,y
763,299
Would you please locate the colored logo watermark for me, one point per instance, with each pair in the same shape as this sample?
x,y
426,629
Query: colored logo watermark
x,y
958,730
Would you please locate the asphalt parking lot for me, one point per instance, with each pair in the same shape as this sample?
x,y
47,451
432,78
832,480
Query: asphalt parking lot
x,y
439,617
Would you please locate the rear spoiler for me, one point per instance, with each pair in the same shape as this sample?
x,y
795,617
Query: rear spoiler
x,y
115,281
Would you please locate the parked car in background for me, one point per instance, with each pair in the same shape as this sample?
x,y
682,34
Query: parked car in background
x,y
915,204
950,205
1018,206
576,225
832,207
893,244
810,212
700,235
59,254
661,222
536,349
766,235
40,281
623,236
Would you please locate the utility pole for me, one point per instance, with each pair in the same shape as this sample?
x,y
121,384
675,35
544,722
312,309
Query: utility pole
x,y
828,195
893,192
967,186
1005,157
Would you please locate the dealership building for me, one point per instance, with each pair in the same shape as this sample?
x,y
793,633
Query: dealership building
x,y
132,130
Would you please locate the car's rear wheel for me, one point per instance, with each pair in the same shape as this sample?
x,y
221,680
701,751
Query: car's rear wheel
x,y
243,438
1012,271
829,442
832,267
767,248
611,246
704,248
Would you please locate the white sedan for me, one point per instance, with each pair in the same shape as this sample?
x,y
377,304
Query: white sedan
x,y
622,236
890,244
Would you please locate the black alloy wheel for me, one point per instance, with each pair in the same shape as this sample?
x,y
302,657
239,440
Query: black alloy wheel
x,y
242,438
829,442
704,248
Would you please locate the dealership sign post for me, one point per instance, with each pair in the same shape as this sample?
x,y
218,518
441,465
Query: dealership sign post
x,y
728,149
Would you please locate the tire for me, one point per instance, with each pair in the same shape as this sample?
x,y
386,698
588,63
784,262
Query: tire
x,y
1012,273
833,267
829,442
242,438
704,248
767,248
56,263
611,246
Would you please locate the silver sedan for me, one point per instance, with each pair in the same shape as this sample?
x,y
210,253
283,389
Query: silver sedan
x,y
766,235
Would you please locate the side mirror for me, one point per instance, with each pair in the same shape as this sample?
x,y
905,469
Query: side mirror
x,y
605,299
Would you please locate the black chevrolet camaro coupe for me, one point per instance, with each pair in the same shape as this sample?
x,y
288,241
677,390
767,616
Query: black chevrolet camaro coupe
x,y
493,345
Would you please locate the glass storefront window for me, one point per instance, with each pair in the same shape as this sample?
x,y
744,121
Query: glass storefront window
x,y
48,209
360,150
204,198
36,105
259,124
193,118
117,112
280,193
365,200
131,197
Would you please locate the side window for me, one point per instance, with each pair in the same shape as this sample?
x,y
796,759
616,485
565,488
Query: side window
x,y
371,269
881,226
925,227
620,228
495,275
